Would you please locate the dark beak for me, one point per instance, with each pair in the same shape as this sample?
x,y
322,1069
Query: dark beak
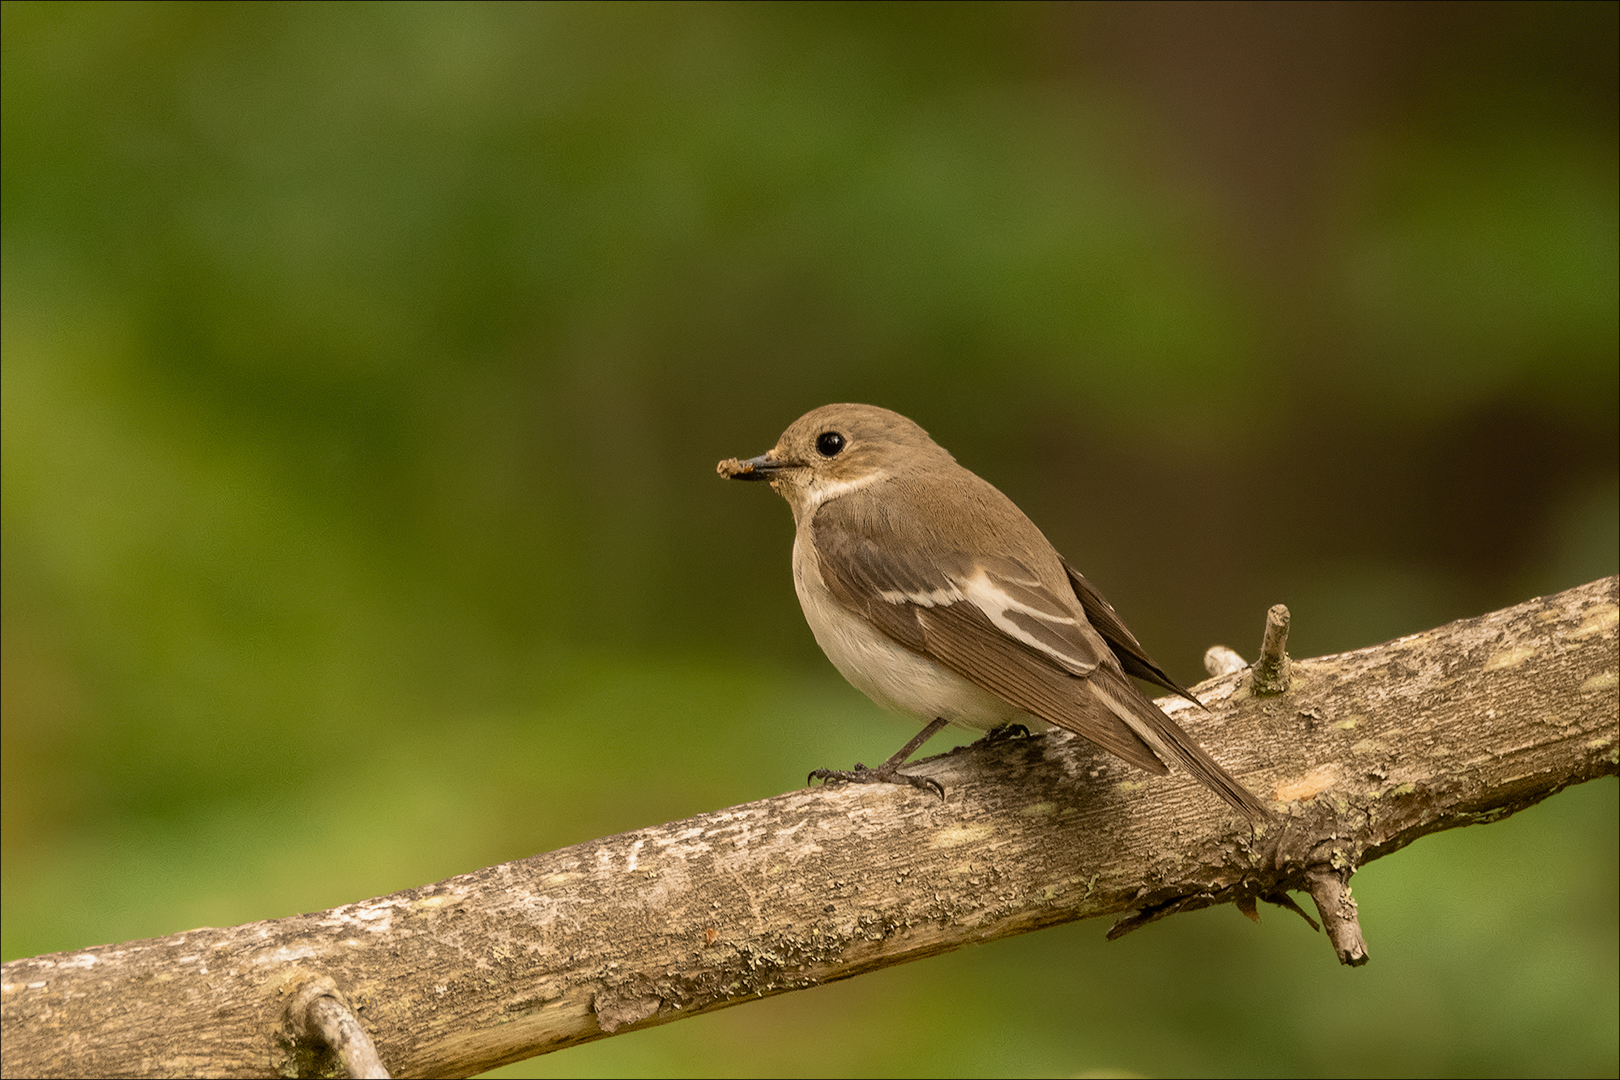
x,y
755,468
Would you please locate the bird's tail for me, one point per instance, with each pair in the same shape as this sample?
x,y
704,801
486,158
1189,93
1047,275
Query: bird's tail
x,y
1170,744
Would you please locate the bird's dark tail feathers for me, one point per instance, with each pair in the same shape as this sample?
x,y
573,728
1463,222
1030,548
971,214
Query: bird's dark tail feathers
x,y
1171,744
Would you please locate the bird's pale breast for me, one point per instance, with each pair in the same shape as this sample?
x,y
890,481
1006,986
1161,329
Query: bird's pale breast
x,y
887,672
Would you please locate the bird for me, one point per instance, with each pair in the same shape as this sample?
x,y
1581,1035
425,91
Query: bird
x,y
933,594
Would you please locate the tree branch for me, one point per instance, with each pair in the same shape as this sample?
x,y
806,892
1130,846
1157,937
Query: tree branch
x,y
1365,752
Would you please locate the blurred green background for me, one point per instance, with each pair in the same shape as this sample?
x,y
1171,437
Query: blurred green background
x,y
365,368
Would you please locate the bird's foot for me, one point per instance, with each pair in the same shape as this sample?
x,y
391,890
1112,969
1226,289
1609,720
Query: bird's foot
x,y
889,772
885,774
1002,733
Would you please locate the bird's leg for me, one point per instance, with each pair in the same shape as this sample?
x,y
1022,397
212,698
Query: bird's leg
x,y
889,772
898,758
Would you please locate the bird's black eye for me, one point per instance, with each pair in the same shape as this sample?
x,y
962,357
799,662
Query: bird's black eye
x,y
828,443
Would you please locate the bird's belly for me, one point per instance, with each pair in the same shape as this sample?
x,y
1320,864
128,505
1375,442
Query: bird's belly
x,y
891,674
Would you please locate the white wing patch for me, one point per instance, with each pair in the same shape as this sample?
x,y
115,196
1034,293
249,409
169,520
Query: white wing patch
x,y
938,598
982,591
1008,614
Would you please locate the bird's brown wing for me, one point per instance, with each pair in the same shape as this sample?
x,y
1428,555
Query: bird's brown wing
x,y
925,605
1132,657
993,623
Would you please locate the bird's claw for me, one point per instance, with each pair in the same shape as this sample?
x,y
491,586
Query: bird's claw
x,y
1002,733
860,774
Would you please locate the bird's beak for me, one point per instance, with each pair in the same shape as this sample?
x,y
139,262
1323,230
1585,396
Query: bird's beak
x,y
763,467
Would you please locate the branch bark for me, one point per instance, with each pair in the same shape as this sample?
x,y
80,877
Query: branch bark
x,y
1366,752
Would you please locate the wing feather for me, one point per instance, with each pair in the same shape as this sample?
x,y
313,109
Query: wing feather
x,y
992,622
964,640
1132,657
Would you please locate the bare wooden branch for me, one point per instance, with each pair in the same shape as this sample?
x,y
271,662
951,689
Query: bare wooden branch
x,y
1368,751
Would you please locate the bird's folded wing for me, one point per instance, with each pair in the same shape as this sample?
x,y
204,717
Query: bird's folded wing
x,y
1106,621
990,621
963,639
1102,706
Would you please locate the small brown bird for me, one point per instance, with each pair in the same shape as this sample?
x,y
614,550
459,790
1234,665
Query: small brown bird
x,y
935,596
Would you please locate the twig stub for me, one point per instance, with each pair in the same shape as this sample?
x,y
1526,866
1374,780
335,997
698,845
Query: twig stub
x,y
1331,891
1271,670
319,1013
